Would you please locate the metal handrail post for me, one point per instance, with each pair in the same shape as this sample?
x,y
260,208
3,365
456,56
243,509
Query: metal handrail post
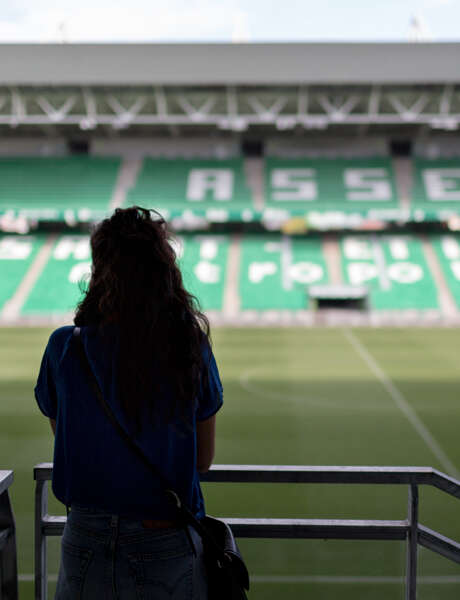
x,y
412,543
8,554
41,509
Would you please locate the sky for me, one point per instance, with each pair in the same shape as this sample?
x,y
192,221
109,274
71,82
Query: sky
x,y
226,20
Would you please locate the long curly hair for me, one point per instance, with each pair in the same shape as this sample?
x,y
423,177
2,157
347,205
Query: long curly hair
x,y
137,287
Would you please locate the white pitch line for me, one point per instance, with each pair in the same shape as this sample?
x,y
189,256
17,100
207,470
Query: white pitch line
x,y
402,404
427,579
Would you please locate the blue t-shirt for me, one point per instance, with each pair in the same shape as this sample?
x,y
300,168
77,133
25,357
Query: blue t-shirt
x,y
93,466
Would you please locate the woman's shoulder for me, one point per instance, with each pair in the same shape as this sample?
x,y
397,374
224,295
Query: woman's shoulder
x,y
59,338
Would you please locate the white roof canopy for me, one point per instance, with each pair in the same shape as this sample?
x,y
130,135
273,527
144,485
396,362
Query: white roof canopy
x,y
229,64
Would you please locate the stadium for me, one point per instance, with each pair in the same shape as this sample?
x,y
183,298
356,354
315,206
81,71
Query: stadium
x,y
314,193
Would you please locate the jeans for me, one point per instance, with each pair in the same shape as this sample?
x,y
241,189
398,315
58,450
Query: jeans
x,y
107,557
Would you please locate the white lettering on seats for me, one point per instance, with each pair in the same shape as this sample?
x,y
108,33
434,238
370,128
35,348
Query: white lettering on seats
x,y
369,184
356,248
208,249
259,270
399,248
450,247
12,248
306,272
361,272
218,181
297,184
272,247
442,184
207,272
79,272
70,246
405,272
455,266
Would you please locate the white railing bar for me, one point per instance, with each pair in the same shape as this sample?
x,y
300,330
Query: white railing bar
x,y
409,529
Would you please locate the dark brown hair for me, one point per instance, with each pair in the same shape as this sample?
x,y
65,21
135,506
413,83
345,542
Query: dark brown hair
x,y
136,287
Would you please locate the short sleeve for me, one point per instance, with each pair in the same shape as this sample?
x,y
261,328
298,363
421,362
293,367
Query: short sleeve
x,y
211,397
45,390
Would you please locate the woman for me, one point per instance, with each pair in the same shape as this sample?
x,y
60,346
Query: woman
x,y
148,347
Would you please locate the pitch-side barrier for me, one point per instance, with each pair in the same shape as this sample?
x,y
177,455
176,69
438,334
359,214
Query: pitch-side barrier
x,y
8,557
409,529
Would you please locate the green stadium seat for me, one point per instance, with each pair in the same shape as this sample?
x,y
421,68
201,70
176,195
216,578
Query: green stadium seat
x,y
436,192
203,262
60,286
393,267
276,270
213,188
61,283
50,188
305,185
447,248
16,255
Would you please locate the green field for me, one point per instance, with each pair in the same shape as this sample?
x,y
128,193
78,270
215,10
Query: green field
x,y
295,396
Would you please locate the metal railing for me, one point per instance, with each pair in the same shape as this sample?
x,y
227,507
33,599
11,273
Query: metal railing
x,y
8,556
408,529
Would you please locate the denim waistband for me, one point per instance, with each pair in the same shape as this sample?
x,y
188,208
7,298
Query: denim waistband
x,y
90,510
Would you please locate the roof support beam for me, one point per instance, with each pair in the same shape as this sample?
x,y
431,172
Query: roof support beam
x,y
409,113
124,116
337,111
56,114
267,114
196,113
446,100
374,101
18,108
160,101
90,121
302,102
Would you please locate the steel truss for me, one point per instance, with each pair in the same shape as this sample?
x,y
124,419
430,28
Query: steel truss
x,y
232,108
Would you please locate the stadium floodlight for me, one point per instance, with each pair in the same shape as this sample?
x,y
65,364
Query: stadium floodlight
x,y
121,122
237,124
87,123
315,122
447,123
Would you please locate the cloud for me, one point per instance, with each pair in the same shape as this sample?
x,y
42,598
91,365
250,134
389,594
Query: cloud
x,y
438,3
85,21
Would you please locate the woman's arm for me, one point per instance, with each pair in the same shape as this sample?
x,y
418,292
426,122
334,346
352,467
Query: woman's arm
x,y
205,435
53,425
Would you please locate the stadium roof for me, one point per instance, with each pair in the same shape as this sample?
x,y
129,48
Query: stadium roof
x,y
229,64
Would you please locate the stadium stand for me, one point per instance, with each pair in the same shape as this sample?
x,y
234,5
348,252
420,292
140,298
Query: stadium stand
x,y
275,271
447,248
58,288
60,284
213,188
16,255
319,184
436,189
48,188
393,267
203,261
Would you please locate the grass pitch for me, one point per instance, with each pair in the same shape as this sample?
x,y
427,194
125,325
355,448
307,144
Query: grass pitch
x,y
294,396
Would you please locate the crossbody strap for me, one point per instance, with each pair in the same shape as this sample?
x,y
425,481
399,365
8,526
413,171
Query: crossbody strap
x,y
183,511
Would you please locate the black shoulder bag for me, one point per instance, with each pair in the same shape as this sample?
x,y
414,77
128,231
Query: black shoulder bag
x,y
227,574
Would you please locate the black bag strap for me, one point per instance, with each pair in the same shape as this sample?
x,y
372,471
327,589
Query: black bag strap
x,y
184,512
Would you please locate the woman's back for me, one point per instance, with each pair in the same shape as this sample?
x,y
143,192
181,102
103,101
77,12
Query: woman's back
x,y
92,465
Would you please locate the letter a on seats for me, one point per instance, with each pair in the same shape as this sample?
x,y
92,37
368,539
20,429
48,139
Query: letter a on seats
x,y
217,181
